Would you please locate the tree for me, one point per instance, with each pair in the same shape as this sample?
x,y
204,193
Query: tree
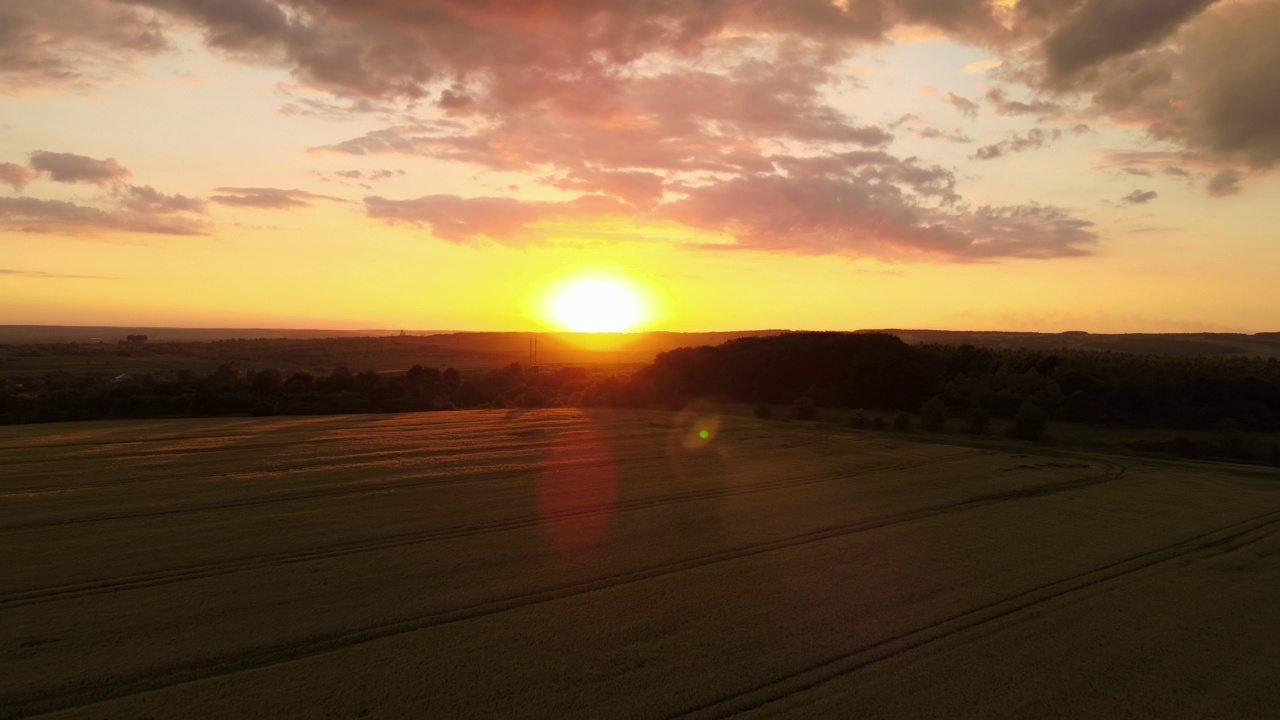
x,y
933,414
1230,438
1030,422
978,419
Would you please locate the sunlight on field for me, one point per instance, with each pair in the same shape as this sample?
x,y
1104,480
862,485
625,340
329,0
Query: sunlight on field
x,y
662,564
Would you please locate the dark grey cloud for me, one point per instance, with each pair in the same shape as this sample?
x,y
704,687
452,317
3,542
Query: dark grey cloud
x,y
1197,74
1229,85
1103,29
1140,197
72,168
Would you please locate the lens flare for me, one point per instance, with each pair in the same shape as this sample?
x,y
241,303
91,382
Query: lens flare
x,y
578,492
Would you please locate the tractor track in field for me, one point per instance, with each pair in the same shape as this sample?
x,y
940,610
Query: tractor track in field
x,y
71,697
33,596
759,697
326,464
334,490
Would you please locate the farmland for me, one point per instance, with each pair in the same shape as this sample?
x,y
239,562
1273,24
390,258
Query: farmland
x,y
617,563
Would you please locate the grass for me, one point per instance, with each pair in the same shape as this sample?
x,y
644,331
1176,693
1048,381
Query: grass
x,y
562,563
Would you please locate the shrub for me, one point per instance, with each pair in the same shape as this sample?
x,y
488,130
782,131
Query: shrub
x,y
860,420
933,414
1030,423
902,422
803,409
1230,438
978,419
762,410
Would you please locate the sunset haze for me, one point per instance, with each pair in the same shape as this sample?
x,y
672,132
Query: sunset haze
x,y
1042,165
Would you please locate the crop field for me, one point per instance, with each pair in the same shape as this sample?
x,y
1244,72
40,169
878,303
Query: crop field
x,y
621,564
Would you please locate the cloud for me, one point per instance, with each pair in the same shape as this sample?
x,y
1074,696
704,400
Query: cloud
x,y
1004,106
835,216
1196,74
641,189
1104,29
967,107
955,136
122,207
390,48
72,168
864,203
76,44
688,121
267,198
652,111
38,274
1034,139
1224,183
505,221
16,176
1140,197
26,214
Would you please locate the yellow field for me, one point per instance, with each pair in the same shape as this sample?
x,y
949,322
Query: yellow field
x,y
564,563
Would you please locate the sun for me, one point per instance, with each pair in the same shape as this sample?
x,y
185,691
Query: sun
x,y
597,304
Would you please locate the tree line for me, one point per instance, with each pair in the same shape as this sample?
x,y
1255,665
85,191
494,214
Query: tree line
x,y
862,371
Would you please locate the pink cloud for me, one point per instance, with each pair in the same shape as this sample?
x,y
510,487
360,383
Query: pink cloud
x,y
72,168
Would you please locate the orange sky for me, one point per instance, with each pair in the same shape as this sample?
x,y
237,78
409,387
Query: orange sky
x,y
1102,166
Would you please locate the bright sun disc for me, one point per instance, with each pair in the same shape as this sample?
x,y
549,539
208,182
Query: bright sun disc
x,y
597,305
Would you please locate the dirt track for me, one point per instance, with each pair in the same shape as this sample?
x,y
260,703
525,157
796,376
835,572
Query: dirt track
x,y
561,563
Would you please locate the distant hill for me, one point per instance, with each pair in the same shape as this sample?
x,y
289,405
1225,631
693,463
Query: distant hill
x,y
26,349
1264,345
29,334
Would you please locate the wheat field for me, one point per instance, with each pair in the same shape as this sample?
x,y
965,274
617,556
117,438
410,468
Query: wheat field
x,y
629,564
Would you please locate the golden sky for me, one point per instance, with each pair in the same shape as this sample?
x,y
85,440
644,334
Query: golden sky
x,y
1101,165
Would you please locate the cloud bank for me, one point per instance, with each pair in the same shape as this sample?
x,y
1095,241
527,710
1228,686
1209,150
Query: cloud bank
x,y
715,115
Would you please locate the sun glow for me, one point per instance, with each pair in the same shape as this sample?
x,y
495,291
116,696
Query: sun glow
x,y
597,304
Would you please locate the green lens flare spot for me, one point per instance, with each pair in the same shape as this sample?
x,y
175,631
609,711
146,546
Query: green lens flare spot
x,y
704,434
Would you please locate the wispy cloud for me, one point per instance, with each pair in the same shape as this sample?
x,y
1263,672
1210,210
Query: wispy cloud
x,y
268,198
37,274
1033,139
1140,197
